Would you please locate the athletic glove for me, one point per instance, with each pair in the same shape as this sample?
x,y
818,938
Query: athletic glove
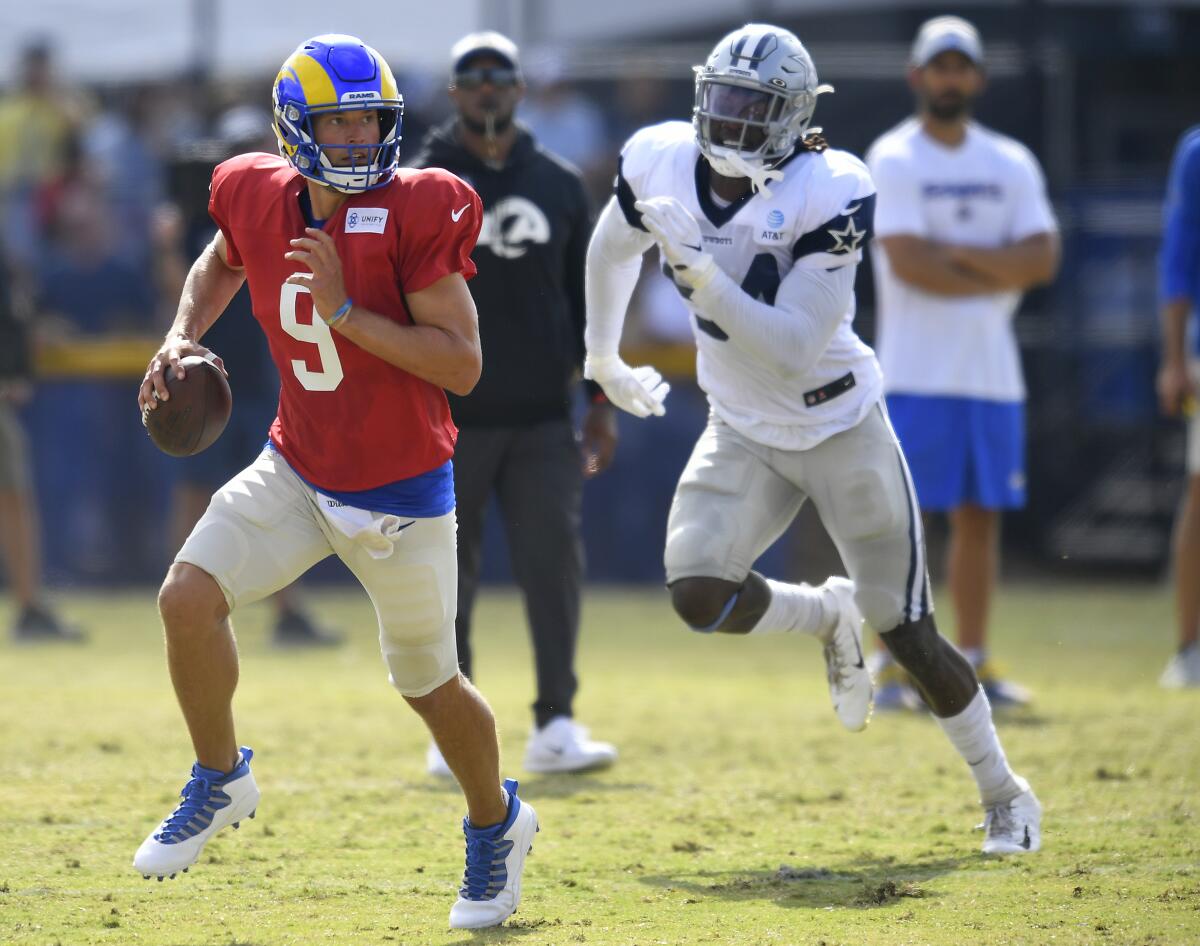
x,y
640,391
678,236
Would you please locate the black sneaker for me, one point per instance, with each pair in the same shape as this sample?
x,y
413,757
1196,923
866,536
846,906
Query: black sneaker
x,y
297,629
38,624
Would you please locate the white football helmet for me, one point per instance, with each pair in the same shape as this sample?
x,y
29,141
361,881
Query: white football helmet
x,y
755,98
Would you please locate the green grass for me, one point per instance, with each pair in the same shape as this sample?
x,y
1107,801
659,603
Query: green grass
x,y
740,813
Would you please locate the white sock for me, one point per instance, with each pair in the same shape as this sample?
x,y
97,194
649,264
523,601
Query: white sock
x,y
797,609
975,738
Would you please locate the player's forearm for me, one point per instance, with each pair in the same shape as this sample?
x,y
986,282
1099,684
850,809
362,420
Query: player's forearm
x,y
1018,266
1175,314
209,287
448,359
790,335
927,265
614,262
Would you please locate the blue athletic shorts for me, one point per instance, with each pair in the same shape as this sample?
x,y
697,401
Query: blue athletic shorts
x,y
962,450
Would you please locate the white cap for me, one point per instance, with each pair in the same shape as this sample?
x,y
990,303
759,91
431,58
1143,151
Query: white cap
x,y
946,34
486,43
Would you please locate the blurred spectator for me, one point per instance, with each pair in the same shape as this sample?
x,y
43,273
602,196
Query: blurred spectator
x,y
1178,378
242,347
20,530
964,227
569,124
516,439
123,147
36,127
84,282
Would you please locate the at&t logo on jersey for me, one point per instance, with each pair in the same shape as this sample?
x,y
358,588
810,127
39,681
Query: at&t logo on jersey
x,y
366,220
774,222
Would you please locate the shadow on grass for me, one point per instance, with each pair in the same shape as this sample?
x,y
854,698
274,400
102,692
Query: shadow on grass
x,y
513,929
541,786
863,883
1021,718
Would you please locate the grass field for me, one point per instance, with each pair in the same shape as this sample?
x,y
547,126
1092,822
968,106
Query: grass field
x,y
740,813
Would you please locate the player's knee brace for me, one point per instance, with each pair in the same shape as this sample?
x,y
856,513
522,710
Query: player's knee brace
x,y
418,668
944,677
420,656
703,603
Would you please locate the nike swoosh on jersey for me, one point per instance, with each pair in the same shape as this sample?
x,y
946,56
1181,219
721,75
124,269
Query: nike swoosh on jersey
x,y
455,214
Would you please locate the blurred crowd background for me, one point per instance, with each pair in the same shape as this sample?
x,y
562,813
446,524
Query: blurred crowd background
x,y
111,121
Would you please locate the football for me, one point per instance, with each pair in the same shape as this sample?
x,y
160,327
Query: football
x,y
195,414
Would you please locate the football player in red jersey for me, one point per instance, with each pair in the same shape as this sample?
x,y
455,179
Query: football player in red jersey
x,y
357,275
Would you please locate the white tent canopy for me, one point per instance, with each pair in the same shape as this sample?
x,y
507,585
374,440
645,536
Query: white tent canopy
x,y
113,40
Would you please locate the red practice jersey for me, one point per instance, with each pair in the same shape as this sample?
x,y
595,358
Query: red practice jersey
x,y
347,419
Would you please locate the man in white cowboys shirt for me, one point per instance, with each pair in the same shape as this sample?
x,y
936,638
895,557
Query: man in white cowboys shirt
x,y
964,227
762,230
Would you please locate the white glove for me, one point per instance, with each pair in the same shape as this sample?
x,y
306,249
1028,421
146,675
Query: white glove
x,y
640,391
678,235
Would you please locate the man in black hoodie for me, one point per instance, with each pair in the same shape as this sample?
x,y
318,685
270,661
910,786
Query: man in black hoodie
x,y
516,437
20,530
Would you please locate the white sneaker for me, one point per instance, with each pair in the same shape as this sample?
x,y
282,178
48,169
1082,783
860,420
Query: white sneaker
x,y
491,890
562,745
1183,669
435,762
1014,827
211,801
850,685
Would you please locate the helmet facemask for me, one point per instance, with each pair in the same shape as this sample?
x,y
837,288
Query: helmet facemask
x,y
757,123
321,162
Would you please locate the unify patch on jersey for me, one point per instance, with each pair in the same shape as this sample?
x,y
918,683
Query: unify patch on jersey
x,y
366,220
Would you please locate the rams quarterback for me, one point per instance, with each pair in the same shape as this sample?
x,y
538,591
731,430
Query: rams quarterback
x,y
357,275
762,227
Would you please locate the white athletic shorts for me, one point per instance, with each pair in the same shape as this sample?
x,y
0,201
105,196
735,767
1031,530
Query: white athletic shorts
x,y
266,527
736,497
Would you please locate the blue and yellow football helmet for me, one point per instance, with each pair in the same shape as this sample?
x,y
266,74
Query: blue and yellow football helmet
x,y
337,73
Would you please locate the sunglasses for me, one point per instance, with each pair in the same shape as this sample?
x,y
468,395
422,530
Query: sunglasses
x,y
498,76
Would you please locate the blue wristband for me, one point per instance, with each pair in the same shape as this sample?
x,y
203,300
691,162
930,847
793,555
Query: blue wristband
x,y
340,313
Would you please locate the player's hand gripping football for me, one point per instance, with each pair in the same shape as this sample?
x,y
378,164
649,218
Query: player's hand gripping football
x,y
640,391
174,348
678,236
325,283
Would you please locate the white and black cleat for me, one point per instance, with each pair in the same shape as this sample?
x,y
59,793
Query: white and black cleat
x,y
850,685
210,801
1014,826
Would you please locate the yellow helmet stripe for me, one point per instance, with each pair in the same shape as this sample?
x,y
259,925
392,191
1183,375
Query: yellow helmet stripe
x,y
317,86
387,82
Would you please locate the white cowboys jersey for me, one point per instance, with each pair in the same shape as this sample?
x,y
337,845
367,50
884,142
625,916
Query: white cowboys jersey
x,y
819,216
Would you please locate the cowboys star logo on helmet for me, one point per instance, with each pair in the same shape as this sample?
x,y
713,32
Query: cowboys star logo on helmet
x,y
336,73
755,98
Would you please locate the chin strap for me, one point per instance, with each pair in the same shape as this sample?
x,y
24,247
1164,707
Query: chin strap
x,y
759,176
